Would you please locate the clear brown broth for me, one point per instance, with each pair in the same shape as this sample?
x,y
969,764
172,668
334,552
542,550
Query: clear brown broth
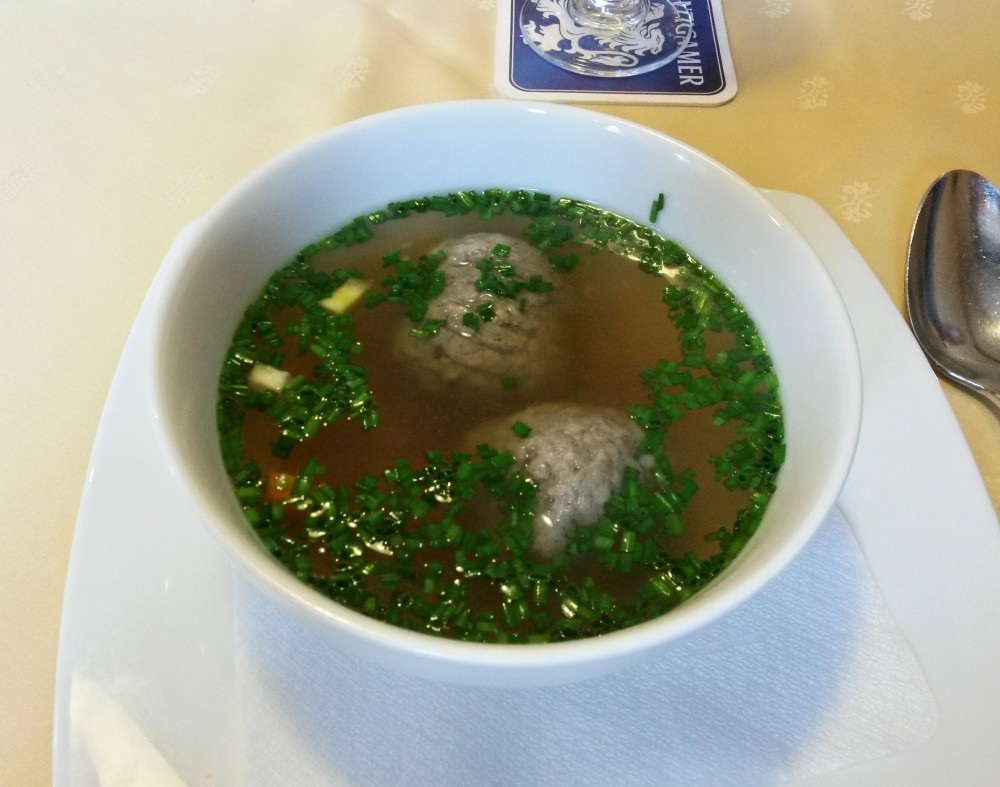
x,y
615,324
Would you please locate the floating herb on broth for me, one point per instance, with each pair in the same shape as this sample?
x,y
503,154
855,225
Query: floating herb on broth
x,y
380,483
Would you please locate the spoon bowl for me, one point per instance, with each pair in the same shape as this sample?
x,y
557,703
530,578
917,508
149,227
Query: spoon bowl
x,y
953,280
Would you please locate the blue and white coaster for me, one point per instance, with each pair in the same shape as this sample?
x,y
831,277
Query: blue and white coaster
x,y
701,74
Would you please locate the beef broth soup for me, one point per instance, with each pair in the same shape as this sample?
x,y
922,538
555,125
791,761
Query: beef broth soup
x,y
499,417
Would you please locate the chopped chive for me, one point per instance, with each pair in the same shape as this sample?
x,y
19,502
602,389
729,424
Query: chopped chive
x,y
654,212
486,311
521,429
471,320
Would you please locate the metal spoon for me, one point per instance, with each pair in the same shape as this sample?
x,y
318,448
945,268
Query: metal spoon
x,y
953,280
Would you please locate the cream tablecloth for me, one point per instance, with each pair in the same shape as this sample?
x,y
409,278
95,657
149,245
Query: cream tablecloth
x,y
121,122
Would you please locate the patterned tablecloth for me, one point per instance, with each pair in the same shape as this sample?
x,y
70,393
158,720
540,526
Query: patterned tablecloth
x,y
123,122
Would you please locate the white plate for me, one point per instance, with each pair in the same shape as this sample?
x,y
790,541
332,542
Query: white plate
x,y
149,600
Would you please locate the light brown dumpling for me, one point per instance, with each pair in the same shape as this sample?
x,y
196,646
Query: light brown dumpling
x,y
519,347
576,455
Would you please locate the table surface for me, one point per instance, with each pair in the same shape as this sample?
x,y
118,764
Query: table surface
x,y
123,122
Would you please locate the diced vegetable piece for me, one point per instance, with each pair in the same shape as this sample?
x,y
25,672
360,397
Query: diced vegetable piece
x,y
278,487
345,296
266,378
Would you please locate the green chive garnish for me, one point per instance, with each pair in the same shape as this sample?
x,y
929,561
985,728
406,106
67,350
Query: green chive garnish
x,y
654,211
521,429
408,545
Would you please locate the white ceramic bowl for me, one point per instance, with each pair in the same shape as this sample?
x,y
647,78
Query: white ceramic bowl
x,y
221,262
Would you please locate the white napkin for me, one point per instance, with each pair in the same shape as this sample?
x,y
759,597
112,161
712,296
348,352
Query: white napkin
x,y
114,749
809,676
